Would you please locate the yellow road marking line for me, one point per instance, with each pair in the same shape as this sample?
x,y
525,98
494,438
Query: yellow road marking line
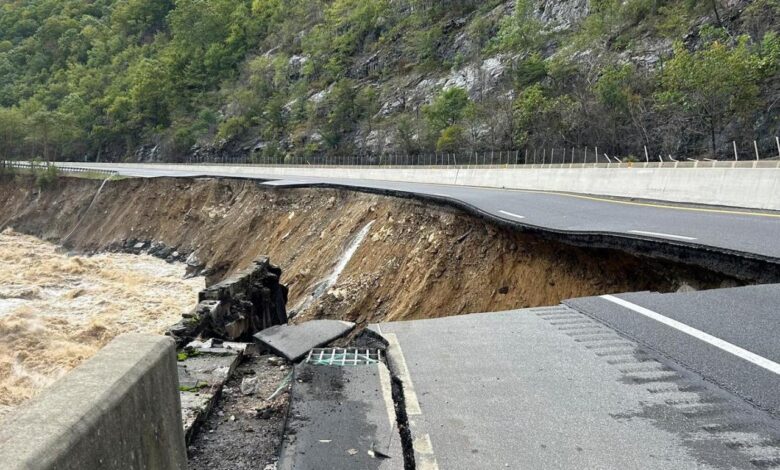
x,y
658,206
424,450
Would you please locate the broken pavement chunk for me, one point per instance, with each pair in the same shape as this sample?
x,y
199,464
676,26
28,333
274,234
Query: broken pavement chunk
x,y
249,385
295,341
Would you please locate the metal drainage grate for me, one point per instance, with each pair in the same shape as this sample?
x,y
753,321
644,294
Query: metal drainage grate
x,y
343,356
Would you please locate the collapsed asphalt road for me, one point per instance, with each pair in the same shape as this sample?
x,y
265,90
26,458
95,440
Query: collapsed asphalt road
x,y
739,242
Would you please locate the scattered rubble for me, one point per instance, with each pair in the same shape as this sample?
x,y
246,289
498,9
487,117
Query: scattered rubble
x,y
244,429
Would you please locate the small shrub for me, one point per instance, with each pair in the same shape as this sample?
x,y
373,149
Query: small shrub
x,y
46,177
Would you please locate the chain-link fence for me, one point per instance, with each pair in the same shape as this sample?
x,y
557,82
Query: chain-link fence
x,y
760,153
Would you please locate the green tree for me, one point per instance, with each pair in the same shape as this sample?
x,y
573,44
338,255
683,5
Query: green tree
x,y
447,108
451,139
12,132
712,85
342,112
520,31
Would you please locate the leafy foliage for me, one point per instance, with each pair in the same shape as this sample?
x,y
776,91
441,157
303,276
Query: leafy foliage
x,y
712,84
281,79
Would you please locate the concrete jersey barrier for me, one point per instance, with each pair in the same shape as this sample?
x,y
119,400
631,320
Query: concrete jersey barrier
x,y
118,410
752,187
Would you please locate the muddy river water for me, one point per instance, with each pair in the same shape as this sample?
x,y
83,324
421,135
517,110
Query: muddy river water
x,y
58,310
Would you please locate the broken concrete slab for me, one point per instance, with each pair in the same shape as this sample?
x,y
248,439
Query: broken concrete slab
x,y
295,341
217,346
202,374
341,417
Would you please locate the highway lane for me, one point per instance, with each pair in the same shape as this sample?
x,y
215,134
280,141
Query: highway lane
x,y
729,336
552,388
727,230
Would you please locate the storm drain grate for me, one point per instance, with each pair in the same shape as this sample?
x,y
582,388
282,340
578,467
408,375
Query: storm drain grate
x,y
343,356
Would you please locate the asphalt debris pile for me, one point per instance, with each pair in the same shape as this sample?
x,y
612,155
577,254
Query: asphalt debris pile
x,y
237,307
236,398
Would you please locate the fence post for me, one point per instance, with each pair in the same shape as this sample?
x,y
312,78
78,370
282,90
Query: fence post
x,y
755,146
597,155
736,155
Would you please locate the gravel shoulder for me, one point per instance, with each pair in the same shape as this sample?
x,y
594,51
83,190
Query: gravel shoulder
x,y
245,428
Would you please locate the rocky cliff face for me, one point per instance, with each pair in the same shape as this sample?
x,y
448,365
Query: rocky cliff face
x,y
560,15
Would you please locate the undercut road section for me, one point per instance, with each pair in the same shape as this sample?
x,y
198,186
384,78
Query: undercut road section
x,y
553,388
738,241
729,336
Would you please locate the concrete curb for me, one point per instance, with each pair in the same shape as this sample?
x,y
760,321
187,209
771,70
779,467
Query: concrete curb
x,y
118,410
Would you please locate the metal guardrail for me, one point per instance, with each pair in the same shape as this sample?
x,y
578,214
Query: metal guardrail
x,y
32,166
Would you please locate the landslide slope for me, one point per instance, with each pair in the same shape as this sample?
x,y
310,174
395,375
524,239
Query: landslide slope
x,y
416,260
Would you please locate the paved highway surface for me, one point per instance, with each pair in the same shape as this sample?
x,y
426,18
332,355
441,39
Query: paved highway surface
x,y
730,336
341,417
552,388
729,230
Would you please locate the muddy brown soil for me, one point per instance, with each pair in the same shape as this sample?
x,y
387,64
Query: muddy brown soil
x,y
417,261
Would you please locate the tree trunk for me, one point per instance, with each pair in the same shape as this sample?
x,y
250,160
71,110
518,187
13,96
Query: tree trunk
x,y
717,14
712,139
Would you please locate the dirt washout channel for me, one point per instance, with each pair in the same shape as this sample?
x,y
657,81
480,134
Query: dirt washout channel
x,y
415,260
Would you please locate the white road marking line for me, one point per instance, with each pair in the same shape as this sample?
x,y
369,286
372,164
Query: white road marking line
x,y
397,357
698,334
512,215
665,235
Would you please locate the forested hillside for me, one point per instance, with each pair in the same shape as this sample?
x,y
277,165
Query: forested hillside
x,y
271,80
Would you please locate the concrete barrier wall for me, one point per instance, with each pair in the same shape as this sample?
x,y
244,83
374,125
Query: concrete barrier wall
x,y
118,410
747,187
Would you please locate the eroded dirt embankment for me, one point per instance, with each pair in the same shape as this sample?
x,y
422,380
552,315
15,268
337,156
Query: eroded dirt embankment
x,y
416,260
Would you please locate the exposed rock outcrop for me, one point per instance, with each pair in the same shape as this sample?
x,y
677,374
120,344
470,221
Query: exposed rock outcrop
x,y
559,15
